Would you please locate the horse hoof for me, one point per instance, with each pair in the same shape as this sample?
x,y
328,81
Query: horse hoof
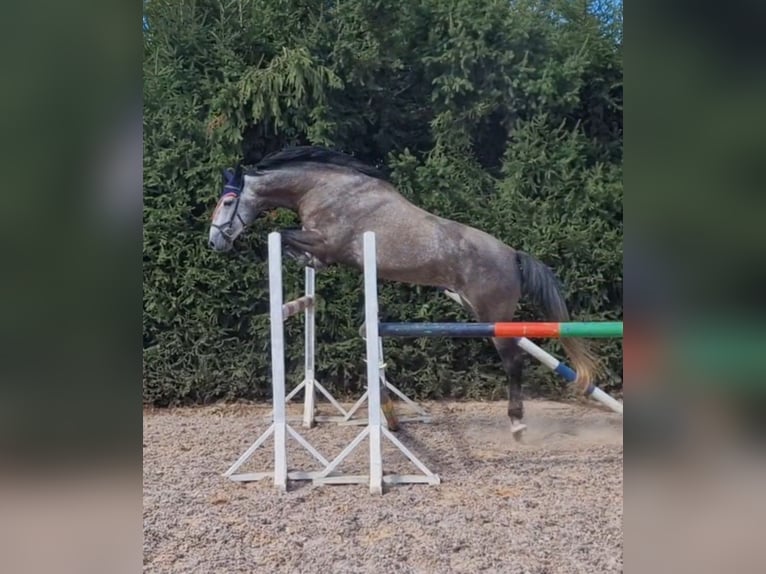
x,y
517,429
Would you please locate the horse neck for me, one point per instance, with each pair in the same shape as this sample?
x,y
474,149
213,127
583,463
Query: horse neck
x,y
282,188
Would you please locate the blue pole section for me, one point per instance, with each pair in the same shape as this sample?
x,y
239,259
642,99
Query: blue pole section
x,y
559,367
436,329
569,376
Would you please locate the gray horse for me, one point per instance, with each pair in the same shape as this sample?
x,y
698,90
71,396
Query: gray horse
x,y
338,198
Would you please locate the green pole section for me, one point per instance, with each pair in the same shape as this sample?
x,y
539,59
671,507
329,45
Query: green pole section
x,y
592,330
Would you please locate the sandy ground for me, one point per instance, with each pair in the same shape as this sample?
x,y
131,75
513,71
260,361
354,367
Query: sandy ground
x,y
551,504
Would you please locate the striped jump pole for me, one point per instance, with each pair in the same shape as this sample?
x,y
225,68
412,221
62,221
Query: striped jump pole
x,y
297,306
591,330
555,365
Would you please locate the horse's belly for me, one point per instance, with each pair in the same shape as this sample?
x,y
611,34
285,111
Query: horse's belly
x,y
417,276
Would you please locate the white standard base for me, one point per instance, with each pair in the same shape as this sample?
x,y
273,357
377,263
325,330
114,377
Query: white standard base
x,y
256,476
387,479
401,419
329,476
309,416
280,473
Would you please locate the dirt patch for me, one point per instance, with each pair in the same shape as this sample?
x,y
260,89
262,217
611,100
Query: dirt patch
x,y
551,504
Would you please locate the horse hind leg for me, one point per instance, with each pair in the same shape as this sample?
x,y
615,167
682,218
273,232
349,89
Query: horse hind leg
x,y
387,406
386,402
513,363
508,349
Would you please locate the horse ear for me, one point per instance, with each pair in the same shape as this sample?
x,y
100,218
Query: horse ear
x,y
228,175
238,172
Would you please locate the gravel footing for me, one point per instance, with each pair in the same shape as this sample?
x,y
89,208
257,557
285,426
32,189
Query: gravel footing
x,y
550,504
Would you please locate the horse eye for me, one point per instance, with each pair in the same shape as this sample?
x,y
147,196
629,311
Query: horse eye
x,y
228,202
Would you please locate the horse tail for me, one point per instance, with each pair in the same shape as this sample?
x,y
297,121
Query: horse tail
x,y
542,286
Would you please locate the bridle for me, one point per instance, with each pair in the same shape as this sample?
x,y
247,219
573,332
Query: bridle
x,y
225,228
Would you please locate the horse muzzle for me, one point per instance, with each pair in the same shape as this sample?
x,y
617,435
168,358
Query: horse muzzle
x,y
220,241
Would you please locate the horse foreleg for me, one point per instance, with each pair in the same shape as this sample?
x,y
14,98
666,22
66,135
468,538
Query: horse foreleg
x,y
303,246
300,256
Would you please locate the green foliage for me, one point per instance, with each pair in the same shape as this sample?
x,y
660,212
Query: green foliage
x,y
503,115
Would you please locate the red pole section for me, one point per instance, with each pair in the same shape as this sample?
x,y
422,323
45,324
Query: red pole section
x,y
531,330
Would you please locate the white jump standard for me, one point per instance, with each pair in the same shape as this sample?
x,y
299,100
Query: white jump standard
x,y
279,428
310,385
374,430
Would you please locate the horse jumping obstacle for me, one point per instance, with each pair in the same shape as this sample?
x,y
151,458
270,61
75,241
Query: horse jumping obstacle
x,y
280,428
375,430
344,198
558,367
307,305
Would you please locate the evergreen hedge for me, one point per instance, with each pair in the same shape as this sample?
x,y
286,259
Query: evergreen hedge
x,y
505,115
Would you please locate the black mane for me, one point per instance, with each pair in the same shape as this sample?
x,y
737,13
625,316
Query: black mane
x,y
315,154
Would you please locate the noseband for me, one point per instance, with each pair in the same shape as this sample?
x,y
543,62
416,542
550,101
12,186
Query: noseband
x,y
225,228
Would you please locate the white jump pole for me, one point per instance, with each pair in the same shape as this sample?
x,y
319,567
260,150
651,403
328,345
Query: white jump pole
x,y
278,360
373,362
309,324
374,345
